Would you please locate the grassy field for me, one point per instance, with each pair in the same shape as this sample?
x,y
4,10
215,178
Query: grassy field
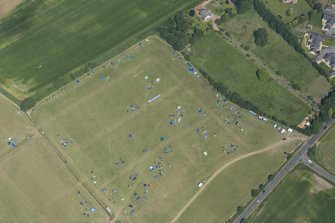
x,y
119,150
278,54
280,9
227,65
13,124
325,153
301,197
220,199
45,44
36,187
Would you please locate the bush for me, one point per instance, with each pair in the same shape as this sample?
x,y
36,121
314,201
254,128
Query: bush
x,y
262,75
27,104
191,12
254,192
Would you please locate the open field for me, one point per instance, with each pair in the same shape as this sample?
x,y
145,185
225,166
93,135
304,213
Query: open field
x,y
325,151
278,54
36,187
225,64
220,199
280,9
46,44
8,5
145,161
13,124
301,197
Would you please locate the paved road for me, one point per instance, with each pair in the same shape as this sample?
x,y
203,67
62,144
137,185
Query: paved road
x,y
319,170
289,166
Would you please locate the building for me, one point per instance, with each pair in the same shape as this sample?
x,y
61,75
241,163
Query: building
x,y
327,56
328,21
314,43
290,1
206,14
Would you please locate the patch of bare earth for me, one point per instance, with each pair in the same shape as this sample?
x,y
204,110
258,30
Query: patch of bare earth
x,y
320,184
7,5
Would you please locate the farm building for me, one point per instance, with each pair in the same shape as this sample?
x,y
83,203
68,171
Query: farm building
x,y
206,14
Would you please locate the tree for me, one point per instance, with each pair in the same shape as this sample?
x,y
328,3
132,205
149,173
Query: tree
x,y
261,37
254,192
239,209
191,12
318,7
243,6
27,104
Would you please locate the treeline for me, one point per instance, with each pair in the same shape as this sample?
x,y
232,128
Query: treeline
x,y
327,108
284,30
178,31
240,101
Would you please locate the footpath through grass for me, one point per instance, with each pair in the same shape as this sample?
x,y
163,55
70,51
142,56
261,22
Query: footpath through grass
x,y
46,44
225,64
278,54
301,197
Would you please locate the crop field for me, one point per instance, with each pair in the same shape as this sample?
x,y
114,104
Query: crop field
x,y
227,65
14,124
36,187
301,197
278,54
226,192
326,151
143,131
39,47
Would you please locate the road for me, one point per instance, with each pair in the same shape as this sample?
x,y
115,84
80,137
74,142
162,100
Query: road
x,y
319,170
296,158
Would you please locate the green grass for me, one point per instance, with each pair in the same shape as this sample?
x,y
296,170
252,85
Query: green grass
x,y
279,8
225,64
301,197
94,115
36,187
325,153
218,7
315,20
221,198
14,124
277,54
45,44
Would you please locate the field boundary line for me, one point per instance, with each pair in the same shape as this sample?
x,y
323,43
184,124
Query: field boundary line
x,y
217,172
76,177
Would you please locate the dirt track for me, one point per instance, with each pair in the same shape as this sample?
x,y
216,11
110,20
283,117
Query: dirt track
x,y
195,196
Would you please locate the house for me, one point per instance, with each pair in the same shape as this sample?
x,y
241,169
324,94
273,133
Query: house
x,y
290,1
314,43
206,14
328,20
331,75
327,56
